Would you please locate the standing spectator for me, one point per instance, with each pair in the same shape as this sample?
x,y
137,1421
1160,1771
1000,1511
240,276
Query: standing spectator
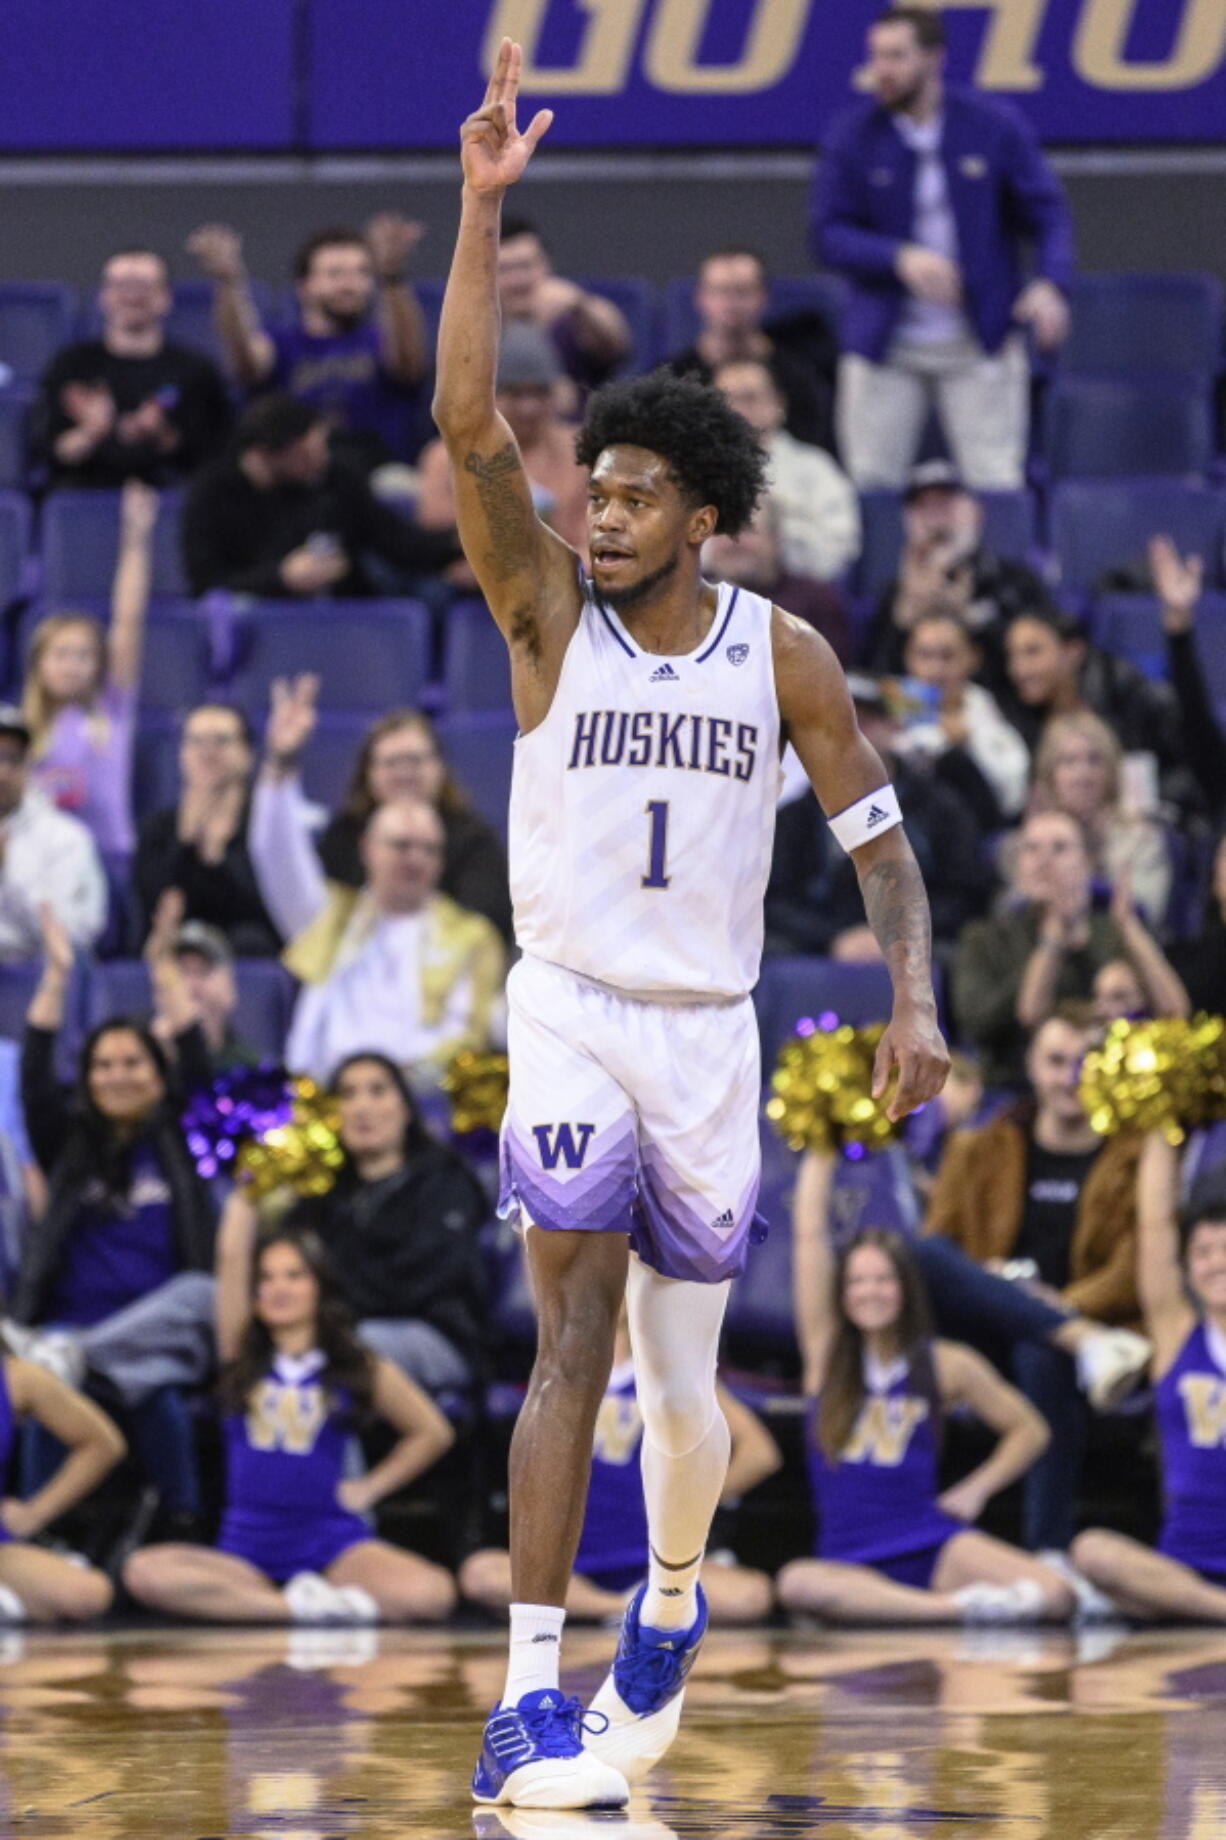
x,y
1177,580
732,296
129,404
1079,769
1201,962
358,352
946,567
199,845
529,373
46,857
281,516
816,503
400,758
127,1215
82,686
402,1226
941,654
589,333
754,559
394,966
812,899
1011,971
1036,1183
923,199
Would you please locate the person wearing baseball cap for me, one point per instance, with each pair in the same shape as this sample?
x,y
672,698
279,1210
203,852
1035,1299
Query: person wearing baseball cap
x,y
45,856
206,960
946,566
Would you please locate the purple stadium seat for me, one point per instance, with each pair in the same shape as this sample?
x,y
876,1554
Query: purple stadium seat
x,y
792,988
328,761
14,416
476,668
1111,429
1102,524
479,750
179,667
14,544
1131,324
36,318
155,768
1131,624
80,541
1009,530
369,654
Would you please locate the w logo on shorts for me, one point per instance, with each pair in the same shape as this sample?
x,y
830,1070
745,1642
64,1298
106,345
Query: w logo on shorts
x,y
562,1145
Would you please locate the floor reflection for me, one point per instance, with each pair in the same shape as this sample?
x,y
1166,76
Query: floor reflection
x,y
337,1735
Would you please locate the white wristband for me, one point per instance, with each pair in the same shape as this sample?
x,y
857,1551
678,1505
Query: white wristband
x,y
868,817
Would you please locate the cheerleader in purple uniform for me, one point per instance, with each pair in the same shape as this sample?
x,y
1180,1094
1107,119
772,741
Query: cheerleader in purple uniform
x,y
891,1548
1181,1278
294,1545
38,1586
613,1547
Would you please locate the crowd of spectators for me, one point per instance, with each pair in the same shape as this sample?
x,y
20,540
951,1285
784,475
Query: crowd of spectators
x,y
1062,801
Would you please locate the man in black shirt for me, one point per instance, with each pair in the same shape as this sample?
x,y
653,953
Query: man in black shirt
x,y
129,404
281,515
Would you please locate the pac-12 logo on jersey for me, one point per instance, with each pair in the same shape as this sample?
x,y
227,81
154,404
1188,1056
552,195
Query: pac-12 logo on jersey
x,y
568,1144
737,654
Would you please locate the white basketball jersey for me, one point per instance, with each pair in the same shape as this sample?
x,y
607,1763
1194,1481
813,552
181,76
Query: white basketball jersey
x,y
643,808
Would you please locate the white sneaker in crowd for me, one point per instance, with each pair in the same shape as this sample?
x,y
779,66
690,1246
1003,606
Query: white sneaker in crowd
x,y
312,1599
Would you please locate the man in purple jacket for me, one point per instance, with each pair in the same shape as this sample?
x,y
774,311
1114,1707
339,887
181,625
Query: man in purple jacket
x,y
923,199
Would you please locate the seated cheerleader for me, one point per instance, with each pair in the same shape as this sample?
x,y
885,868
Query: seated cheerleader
x,y
38,1586
296,1382
891,1549
613,1549
1181,1278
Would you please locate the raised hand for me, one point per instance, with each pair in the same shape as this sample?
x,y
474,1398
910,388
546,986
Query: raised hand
x,y
167,919
138,511
57,946
1177,580
219,251
291,717
392,240
493,151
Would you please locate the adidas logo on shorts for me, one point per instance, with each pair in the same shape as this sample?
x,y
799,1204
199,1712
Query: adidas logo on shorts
x,y
664,675
725,1223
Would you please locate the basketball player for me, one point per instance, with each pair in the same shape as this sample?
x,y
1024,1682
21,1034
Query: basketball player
x,y
652,707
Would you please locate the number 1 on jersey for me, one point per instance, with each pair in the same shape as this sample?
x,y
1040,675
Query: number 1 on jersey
x,y
657,844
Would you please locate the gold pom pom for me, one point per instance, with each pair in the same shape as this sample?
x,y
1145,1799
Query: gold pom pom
x,y
821,1091
303,1156
1167,1075
477,1087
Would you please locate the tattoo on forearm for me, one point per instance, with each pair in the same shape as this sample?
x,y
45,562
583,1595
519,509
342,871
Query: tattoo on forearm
x,y
501,494
896,904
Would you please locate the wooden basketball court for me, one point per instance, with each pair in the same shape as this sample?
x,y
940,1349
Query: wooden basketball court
x,y
149,1734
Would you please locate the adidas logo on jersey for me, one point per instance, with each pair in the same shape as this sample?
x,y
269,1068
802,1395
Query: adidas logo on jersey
x,y
725,1222
664,675
875,816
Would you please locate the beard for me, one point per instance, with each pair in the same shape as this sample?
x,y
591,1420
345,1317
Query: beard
x,y
906,99
345,320
625,600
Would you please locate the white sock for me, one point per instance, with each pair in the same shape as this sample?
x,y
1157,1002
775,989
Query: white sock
x,y
536,1642
12,1610
671,1601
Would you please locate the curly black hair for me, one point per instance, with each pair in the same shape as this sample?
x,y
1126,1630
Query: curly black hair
x,y
711,451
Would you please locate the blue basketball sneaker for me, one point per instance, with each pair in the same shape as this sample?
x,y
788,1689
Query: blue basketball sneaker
x,y
533,1756
642,1697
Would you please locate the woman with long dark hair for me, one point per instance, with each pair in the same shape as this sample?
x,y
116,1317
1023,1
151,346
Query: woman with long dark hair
x,y
401,757
127,1218
1181,1276
892,1548
401,1225
296,1385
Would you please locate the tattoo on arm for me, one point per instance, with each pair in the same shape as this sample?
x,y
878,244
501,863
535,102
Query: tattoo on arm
x,y
500,490
896,904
